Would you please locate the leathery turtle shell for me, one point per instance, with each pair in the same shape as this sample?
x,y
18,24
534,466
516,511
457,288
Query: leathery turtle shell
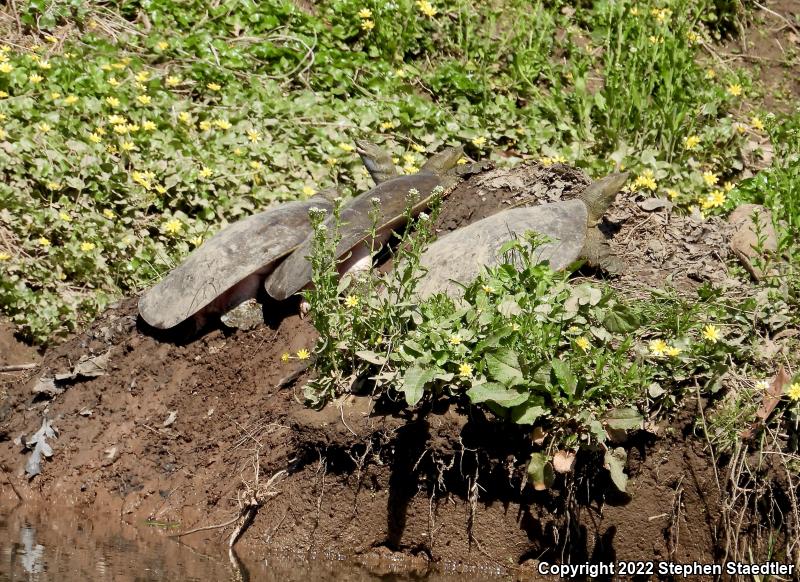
x,y
295,272
461,255
229,267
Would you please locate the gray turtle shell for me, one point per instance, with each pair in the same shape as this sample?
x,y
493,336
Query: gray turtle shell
x,y
460,256
295,272
229,267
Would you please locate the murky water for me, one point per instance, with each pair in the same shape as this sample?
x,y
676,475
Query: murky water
x,y
35,546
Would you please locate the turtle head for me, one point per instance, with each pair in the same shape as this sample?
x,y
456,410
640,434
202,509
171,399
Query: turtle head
x,y
600,195
443,161
377,161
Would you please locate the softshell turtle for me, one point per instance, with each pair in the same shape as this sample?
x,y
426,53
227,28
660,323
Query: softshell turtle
x,y
229,268
390,196
460,256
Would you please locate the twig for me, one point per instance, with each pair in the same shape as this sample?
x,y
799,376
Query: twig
x,y
13,6
18,367
206,528
781,16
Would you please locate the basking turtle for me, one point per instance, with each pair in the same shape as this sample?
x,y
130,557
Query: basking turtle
x,y
229,268
391,192
461,255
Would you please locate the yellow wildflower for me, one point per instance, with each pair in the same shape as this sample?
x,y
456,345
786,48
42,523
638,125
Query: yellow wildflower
x,y
672,351
116,119
710,74
35,78
87,247
160,189
3,94
44,127
691,142
70,100
658,347
461,161
673,194
64,216
3,133
205,125
255,164
367,25
710,178
253,135
583,343
53,186
410,169
142,76
184,117
285,357
205,172
646,180
108,213
222,123
196,240
303,354
172,81
365,13
127,146
148,125
55,95
387,125
113,81
426,8
308,191
735,89
756,122
794,391
6,67
173,227
214,86
713,200
144,99
163,45
121,129
44,65
479,141
455,340
44,243
346,147
488,289
351,301
332,161
711,333
728,186
4,256
132,127
113,101
465,370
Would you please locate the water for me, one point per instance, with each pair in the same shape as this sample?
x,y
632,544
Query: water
x,y
36,547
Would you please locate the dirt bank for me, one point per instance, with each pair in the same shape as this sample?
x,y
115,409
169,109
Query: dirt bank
x,y
181,432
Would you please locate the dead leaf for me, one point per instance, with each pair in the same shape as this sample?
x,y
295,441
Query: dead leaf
x,y
653,204
563,461
170,419
772,396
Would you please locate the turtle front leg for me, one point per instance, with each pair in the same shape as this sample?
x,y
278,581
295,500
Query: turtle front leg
x,y
598,253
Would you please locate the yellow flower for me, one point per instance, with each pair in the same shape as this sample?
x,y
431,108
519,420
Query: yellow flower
x,y
387,125
658,347
214,86
6,67
465,370
53,186
205,172
461,161
672,351
253,135
111,148
285,357
417,148
160,189
3,94
332,161
205,125
70,100
646,180
735,89
121,128
308,191
172,81
118,66
35,78
132,127
713,200
583,343
144,99
794,391
142,179
127,146
710,178
346,147
116,119
728,186
756,122
55,95
710,74
673,194
692,142
44,65
351,301
4,256
64,216
479,141
365,13
711,333
426,8
87,247
196,240
488,289
367,25
44,243
148,125
142,76
108,213
237,151
255,164
410,169
173,227
163,45
113,101
303,354
44,127
222,123
455,340
184,117
3,133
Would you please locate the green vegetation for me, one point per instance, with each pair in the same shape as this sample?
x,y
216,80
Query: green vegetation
x,y
128,137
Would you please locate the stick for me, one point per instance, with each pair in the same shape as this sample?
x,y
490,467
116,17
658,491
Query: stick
x,y
18,367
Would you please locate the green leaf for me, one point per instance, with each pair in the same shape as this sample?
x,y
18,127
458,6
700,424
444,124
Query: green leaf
x,y
504,367
620,319
497,393
624,418
371,357
414,381
540,471
528,412
564,375
615,463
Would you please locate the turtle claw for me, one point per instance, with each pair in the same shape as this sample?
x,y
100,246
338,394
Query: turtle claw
x,y
305,309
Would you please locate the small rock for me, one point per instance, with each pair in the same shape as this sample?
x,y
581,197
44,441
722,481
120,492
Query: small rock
x,y
248,315
652,204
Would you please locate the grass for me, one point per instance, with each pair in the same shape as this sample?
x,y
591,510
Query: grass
x,y
129,137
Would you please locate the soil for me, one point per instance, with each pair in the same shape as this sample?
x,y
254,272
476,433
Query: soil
x,y
179,430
